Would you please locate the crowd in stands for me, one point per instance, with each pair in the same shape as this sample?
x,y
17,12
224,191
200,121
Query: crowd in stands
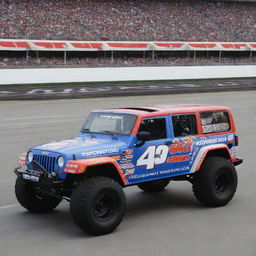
x,y
7,62
169,20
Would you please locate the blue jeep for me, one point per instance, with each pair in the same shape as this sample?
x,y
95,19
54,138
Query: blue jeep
x,y
146,146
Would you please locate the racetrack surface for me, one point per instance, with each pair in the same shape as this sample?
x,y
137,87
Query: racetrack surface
x,y
168,223
109,89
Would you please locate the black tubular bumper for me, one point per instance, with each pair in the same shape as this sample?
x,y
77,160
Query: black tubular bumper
x,y
238,161
39,178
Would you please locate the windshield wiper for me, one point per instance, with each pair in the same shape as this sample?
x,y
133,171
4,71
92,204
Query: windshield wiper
x,y
113,136
89,131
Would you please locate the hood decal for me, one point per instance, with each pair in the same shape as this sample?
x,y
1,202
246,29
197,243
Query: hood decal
x,y
70,142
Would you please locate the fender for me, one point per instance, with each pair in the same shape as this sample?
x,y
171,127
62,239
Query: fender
x,y
22,159
80,165
203,153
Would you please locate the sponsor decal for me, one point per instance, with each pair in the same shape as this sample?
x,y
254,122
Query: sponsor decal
x,y
156,173
60,144
233,152
46,153
117,157
125,161
90,142
181,158
183,146
100,152
127,166
129,156
204,141
129,171
114,117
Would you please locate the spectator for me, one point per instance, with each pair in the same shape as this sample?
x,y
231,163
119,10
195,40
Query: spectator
x,y
146,20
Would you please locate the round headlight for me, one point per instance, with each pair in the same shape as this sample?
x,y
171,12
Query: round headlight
x,y
60,161
30,156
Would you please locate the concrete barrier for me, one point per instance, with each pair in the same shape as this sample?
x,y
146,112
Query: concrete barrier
x,y
69,75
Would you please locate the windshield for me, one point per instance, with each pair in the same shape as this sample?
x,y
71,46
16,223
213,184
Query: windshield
x,y
109,122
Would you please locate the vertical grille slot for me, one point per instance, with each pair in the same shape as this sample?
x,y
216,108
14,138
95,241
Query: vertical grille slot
x,y
47,162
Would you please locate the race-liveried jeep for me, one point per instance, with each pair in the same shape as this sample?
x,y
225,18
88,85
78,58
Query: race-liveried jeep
x,y
146,146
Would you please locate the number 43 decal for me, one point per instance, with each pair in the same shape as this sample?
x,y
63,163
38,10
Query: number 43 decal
x,y
153,155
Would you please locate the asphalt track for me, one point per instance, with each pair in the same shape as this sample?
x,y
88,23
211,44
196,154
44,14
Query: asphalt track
x,y
168,223
108,89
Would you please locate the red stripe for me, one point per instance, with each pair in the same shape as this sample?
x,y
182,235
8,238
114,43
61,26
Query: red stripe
x,y
174,45
128,45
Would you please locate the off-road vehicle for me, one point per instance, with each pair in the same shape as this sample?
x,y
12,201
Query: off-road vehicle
x,y
147,146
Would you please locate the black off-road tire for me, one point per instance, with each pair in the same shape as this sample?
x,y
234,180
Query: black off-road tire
x,y
153,186
29,199
216,182
98,205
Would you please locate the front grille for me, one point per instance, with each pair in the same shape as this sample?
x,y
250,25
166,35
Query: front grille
x,y
47,162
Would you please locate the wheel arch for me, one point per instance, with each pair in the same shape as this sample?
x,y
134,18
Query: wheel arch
x,y
221,150
100,166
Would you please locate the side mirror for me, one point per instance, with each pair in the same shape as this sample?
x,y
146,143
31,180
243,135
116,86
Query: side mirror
x,y
143,135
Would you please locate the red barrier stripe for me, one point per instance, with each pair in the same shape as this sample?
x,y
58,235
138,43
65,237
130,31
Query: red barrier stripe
x,y
7,44
59,45
202,45
233,46
22,44
128,45
87,45
44,44
174,45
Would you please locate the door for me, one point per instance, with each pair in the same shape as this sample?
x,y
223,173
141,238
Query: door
x,y
151,157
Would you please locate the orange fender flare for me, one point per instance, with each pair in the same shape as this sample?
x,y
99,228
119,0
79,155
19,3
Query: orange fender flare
x,y
80,165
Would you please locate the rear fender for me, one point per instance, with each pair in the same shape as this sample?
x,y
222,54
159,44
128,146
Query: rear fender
x,y
204,151
80,166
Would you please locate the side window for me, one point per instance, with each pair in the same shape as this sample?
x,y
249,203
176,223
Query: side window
x,y
155,126
184,125
214,121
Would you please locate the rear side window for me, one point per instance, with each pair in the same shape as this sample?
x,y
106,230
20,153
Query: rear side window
x,y
215,121
184,125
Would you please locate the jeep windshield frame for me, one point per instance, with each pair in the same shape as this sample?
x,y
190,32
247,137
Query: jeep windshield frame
x,y
109,122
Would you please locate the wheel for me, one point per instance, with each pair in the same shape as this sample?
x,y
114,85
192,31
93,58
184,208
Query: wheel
x,y
98,205
216,182
154,186
32,201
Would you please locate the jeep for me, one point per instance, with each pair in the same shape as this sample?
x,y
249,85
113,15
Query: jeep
x,y
147,146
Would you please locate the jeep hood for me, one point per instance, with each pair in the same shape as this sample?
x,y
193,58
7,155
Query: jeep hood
x,y
84,146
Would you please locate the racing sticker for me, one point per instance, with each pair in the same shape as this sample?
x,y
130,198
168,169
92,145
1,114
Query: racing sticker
x,y
100,152
60,144
153,155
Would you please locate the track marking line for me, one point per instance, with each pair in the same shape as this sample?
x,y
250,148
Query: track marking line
x,y
38,123
41,117
9,206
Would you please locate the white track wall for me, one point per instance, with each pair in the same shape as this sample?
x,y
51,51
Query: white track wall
x,y
69,75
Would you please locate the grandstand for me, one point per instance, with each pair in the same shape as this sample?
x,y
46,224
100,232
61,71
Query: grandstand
x,y
103,22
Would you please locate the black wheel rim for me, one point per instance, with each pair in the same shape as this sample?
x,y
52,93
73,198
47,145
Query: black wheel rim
x,y
222,183
105,207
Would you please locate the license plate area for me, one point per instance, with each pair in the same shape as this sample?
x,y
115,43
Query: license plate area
x,y
31,177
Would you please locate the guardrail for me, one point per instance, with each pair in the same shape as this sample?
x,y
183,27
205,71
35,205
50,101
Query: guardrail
x,y
74,75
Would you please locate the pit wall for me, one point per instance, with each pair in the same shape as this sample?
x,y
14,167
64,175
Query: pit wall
x,y
70,75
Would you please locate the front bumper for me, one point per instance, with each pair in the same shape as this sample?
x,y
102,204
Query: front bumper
x,y
37,177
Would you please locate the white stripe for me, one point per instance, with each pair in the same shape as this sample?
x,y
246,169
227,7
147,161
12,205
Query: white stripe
x,y
201,154
8,206
38,123
40,117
